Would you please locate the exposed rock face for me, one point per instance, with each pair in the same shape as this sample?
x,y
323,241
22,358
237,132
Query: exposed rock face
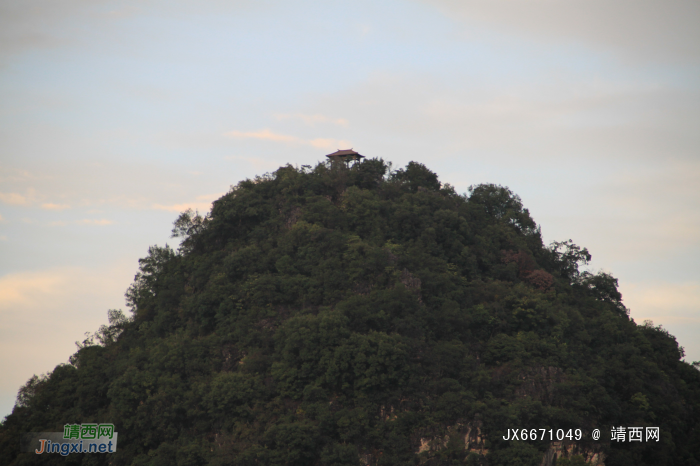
x,y
562,449
367,459
475,442
539,383
470,434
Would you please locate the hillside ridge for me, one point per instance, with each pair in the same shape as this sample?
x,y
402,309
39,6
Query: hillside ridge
x,y
345,315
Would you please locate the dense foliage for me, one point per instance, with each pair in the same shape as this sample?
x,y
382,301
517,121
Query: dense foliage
x,y
356,315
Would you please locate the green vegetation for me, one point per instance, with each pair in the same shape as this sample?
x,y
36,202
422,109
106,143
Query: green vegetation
x,y
344,316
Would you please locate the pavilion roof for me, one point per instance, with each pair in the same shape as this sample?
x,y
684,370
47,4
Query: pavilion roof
x,y
346,153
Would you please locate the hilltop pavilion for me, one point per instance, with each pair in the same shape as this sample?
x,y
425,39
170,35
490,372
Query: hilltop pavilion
x,y
345,155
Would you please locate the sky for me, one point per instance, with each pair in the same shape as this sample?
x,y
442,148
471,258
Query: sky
x,y
117,116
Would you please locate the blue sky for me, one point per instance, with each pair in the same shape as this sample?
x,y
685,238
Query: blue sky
x,y
116,116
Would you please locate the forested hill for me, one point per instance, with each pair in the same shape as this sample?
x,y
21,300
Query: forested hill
x,y
355,315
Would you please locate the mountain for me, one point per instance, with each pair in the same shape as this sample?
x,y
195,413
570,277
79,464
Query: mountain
x,y
354,315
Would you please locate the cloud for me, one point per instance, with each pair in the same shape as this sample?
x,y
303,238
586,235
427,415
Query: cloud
x,y
51,206
3,238
562,116
312,120
639,29
95,222
42,314
257,163
15,174
125,12
198,206
654,206
267,135
37,24
22,289
13,199
264,134
202,204
674,306
329,143
663,302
